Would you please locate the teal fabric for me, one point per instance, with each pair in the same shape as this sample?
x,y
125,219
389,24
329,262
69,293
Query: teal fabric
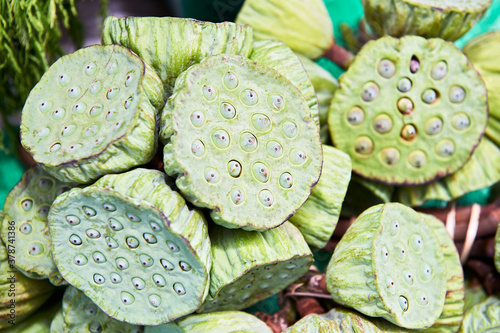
x,y
489,22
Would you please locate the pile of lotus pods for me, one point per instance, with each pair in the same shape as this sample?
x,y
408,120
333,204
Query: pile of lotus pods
x,y
258,146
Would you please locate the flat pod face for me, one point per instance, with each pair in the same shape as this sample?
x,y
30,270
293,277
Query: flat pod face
x,y
84,102
123,255
409,111
244,141
409,267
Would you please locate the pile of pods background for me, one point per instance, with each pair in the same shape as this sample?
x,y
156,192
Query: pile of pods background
x,y
186,170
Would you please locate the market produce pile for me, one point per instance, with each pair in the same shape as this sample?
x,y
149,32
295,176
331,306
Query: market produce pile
x,y
187,170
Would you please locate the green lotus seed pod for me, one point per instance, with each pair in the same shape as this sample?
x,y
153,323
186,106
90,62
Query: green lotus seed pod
x,y
82,315
336,320
39,322
477,173
497,249
133,247
92,113
305,27
57,324
278,56
215,322
447,19
483,317
474,294
250,266
174,44
26,207
395,131
19,295
389,264
264,126
317,218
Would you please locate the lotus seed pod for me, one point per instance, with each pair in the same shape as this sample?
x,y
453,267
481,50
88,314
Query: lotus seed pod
x,y
57,324
389,264
174,44
268,135
26,208
27,294
305,27
483,317
474,294
337,320
397,133
39,322
215,322
82,315
92,113
250,266
138,251
477,173
278,56
448,20
317,218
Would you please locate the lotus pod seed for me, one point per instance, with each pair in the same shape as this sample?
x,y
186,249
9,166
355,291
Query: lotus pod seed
x,y
133,217
43,132
197,118
230,81
403,302
109,207
149,238
209,92
290,129
90,310
95,327
75,239
138,283
112,243
179,288
414,64
99,258
221,139
457,94
248,142
132,242
68,130
266,198
27,204
112,67
261,122
185,266
370,92
286,180
439,70
429,96
146,260
58,113
167,264
382,123
99,279
74,148
45,106
121,263
445,148
261,172
297,156
434,126
211,175
115,278
35,249
384,253
234,168
460,121
90,69
409,132
404,84
364,145
155,226
89,211
277,102
111,114
95,87
154,300
80,260
96,110
112,92
355,116
386,68
26,228
159,280
395,228
426,272
391,287
92,233
173,247
405,105
274,149
227,111
197,148
417,159
408,276
249,97
127,298
115,224
390,156
237,196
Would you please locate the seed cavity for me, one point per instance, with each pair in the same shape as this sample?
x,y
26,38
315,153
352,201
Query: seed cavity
x,y
261,122
111,114
227,111
89,211
58,113
384,254
90,68
266,198
209,92
128,102
26,228
274,149
426,272
167,264
249,97
248,142
457,94
409,132
228,299
414,64
297,156
68,130
417,159
391,286
173,247
99,279
382,123
55,147
370,91
62,190
433,126
390,156
405,105
363,145
234,168
445,148
35,249
129,79
395,227
154,300
403,303
75,240
121,263
220,138
114,224
112,92
149,238
417,243
422,298
138,283
43,132
80,260
92,233
95,87
197,148
111,242
289,129
408,276
404,85
197,118
386,68
286,180
74,92
159,280
185,266
98,257
261,172
132,242
64,79
230,81
460,121
276,102
179,288
90,310
112,67
155,226
27,204
439,70
429,96
127,298
109,207
132,217
74,148
400,251
45,106
115,278
237,196
79,108
95,110
95,327
211,175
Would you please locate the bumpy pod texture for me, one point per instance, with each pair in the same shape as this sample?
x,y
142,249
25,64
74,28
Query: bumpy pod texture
x,y
250,266
483,317
448,19
26,207
305,26
390,264
241,140
92,113
215,322
133,247
408,110
171,45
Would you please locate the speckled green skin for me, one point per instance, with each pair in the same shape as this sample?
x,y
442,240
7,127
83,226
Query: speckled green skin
x,y
278,56
93,112
250,266
28,294
483,317
497,249
317,218
304,26
215,322
27,206
337,320
379,138
144,255
449,19
201,155
174,44
389,264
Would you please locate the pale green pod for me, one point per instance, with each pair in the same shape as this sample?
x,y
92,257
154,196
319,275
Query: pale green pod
x,y
278,56
409,110
477,173
483,317
317,218
241,140
214,322
93,112
175,44
57,324
27,206
448,19
305,27
337,320
133,246
249,266
389,264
